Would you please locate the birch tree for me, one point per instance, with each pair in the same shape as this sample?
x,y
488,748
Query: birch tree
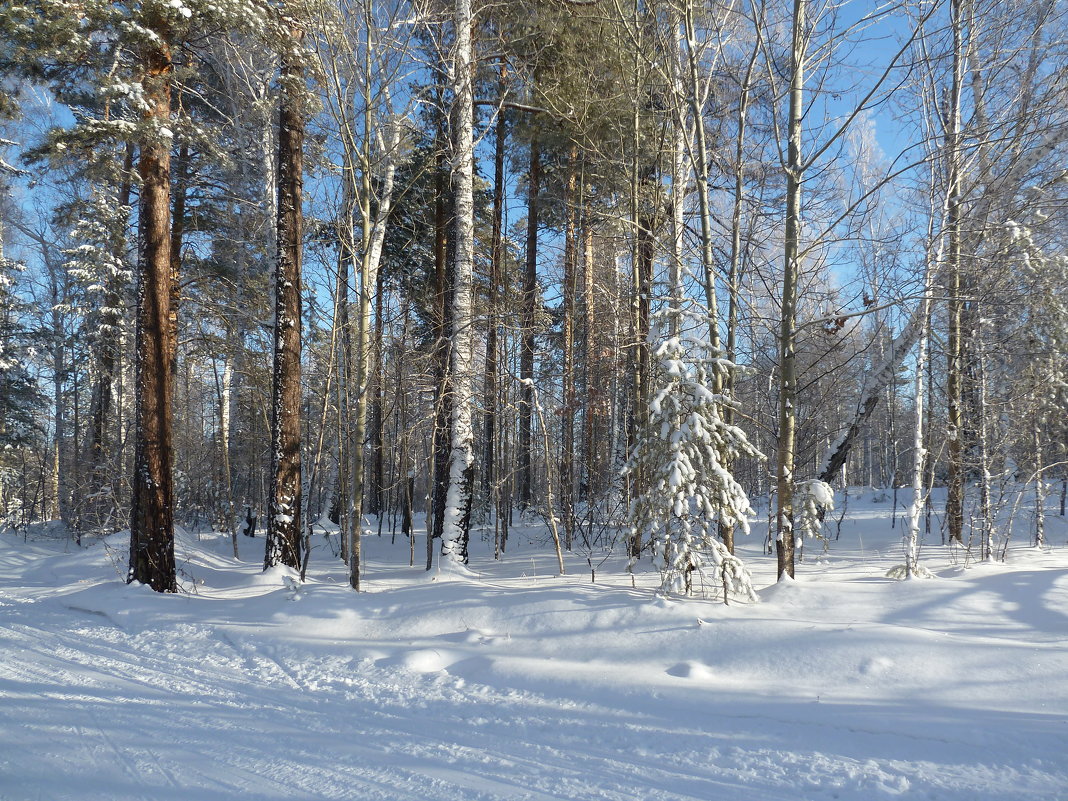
x,y
457,518
364,57
798,158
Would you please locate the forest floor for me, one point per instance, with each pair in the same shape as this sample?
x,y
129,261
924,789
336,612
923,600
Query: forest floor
x,y
514,683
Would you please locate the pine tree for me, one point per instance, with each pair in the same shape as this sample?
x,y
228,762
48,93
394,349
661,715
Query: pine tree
x,y
116,62
284,520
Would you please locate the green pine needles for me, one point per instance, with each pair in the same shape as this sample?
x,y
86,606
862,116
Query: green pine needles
x,y
681,460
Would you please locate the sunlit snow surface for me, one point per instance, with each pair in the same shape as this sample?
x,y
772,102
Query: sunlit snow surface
x,y
512,683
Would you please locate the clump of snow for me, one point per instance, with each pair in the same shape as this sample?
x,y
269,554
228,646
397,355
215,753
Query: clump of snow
x,y
901,572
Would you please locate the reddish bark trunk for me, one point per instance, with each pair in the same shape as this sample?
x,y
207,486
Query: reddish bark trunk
x,y
152,517
284,521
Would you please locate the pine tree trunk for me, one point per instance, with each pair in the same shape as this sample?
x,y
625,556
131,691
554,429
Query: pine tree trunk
x,y
641,288
284,519
529,321
378,422
593,391
151,519
180,191
567,419
60,479
489,392
442,317
344,381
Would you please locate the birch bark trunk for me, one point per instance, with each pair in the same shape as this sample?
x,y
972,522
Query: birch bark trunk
x,y
784,543
457,519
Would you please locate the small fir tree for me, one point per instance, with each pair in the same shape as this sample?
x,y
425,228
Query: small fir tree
x,y
688,491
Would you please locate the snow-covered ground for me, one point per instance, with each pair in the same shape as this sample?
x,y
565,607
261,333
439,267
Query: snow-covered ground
x,y
514,683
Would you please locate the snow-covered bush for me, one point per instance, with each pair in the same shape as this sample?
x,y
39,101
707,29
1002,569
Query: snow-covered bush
x,y
901,572
681,461
812,500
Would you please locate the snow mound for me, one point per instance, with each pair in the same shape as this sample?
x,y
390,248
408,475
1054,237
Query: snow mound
x,y
876,666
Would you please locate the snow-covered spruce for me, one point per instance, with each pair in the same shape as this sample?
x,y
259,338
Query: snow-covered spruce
x,y
812,500
687,490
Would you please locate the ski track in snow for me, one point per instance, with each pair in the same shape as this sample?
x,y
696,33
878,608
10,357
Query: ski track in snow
x,y
841,685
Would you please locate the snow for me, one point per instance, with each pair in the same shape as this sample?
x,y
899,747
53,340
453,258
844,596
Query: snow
x,y
510,682
181,8
820,493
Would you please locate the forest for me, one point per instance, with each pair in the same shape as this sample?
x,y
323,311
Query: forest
x,y
614,268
